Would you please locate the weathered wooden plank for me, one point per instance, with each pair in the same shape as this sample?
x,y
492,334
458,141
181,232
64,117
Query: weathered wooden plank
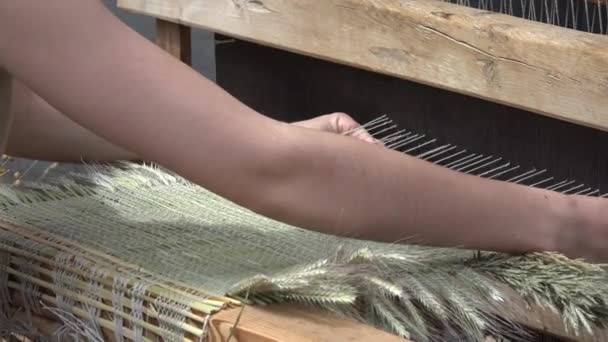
x,y
6,115
278,323
175,39
541,68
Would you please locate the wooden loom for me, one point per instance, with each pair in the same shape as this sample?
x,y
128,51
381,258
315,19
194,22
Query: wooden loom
x,y
498,58
532,70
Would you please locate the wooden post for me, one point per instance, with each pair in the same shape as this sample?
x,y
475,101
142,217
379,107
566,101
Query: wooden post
x,y
6,115
174,38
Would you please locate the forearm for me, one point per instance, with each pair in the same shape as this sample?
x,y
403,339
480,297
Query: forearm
x,y
113,82
351,188
41,132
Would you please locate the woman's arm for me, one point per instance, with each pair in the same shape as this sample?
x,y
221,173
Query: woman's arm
x,y
107,78
41,132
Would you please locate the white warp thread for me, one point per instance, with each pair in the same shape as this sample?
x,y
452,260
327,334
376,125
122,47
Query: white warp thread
x,y
119,288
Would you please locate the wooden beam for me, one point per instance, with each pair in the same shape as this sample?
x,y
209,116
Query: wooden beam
x,y
6,115
278,323
534,66
175,39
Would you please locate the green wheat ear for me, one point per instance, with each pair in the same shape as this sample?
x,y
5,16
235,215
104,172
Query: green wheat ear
x,y
424,301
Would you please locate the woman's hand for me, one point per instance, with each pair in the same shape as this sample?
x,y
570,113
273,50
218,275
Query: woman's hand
x,y
338,123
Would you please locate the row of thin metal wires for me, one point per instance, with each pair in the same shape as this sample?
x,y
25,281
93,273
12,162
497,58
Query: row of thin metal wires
x,y
452,157
582,15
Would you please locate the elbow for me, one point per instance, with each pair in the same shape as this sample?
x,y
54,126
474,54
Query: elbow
x,y
275,176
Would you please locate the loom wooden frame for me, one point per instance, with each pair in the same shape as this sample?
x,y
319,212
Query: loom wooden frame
x,y
482,54
541,68
473,52
254,24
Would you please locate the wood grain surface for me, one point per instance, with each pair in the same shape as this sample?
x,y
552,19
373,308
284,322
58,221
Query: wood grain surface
x,y
175,39
290,324
538,67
